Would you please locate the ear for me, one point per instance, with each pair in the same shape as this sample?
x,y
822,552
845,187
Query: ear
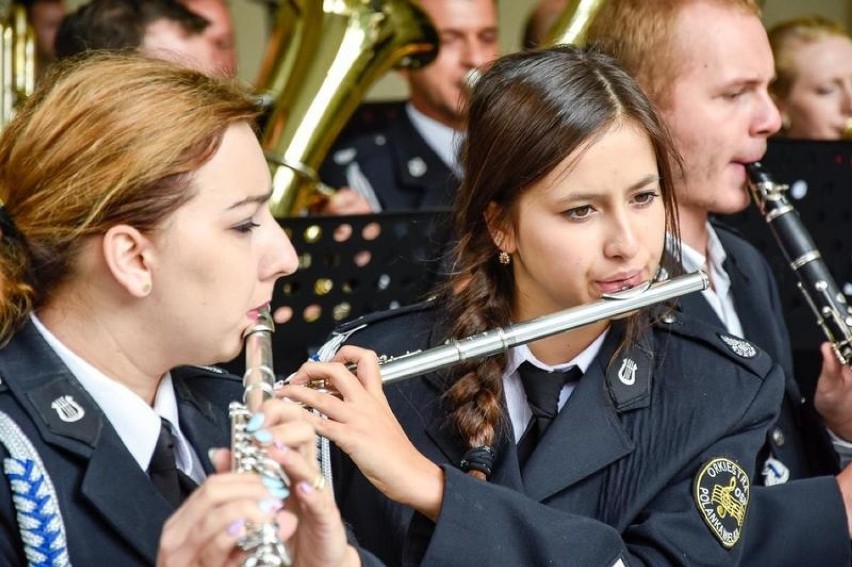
x,y
501,230
127,255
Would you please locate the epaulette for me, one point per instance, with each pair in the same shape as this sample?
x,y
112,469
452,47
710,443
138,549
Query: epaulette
x,y
343,332
739,350
388,314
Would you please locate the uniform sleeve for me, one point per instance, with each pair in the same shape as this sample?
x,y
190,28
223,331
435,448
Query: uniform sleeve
x,y
484,524
802,522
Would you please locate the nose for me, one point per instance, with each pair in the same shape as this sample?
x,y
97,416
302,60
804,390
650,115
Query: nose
x,y
766,120
476,52
622,240
278,258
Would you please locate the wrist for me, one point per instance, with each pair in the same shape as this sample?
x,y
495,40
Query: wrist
x,y
352,558
428,490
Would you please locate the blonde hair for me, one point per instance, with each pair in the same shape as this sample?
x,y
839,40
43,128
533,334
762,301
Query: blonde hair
x,y
784,36
107,139
638,33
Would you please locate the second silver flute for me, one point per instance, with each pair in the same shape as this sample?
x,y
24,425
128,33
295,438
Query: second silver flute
x,y
499,340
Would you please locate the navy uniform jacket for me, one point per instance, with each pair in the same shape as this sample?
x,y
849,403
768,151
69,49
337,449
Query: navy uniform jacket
x,y
613,481
112,513
404,172
802,523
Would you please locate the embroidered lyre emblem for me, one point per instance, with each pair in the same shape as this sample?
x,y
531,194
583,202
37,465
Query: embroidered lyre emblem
x,y
627,372
67,409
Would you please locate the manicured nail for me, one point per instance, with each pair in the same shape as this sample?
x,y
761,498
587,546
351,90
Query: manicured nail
x,y
275,487
255,423
270,505
305,488
278,444
237,528
211,454
263,436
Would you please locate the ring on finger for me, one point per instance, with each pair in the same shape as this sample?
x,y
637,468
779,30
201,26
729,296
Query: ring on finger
x,y
319,482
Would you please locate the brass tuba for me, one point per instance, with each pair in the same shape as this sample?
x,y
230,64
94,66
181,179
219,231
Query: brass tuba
x,y
319,68
573,22
17,59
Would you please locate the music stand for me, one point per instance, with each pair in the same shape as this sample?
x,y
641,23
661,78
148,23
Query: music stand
x,y
819,174
351,266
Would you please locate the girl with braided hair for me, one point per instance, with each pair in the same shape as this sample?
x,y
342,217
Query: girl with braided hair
x,y
627,441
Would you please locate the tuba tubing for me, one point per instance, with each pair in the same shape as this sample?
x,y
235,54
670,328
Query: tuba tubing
x,y
829,305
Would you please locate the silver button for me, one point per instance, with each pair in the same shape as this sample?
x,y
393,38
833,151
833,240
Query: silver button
x,y
668,318
778,437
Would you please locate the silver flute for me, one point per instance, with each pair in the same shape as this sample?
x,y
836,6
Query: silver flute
x,y
261,542
502,339
819,289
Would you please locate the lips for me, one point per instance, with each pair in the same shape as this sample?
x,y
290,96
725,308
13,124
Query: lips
x,y
254,314
621,282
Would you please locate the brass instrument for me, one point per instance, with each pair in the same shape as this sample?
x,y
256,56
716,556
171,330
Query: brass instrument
x,y
502,339
819,289
323,66
264,547
17,59
573,23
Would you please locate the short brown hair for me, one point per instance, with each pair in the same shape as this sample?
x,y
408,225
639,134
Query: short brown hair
x,y
638,33
110,139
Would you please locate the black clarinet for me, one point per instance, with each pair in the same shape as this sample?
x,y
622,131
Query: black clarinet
x,y
826,300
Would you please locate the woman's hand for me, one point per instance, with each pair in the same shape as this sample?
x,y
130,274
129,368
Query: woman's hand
x,y
206,529
833,397
362,424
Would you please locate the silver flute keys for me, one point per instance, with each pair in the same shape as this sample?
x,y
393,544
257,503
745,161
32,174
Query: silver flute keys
x,y
815,282
261,542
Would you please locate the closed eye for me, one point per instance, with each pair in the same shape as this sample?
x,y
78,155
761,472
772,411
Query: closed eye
x,y
247,226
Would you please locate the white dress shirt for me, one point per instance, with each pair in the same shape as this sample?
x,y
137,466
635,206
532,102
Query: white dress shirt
x,y
516,399
443,140
137,423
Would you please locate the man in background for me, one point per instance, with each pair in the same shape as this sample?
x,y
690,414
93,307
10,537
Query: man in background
x,y
413,163
219,32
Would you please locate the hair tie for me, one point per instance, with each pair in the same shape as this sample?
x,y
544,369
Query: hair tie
x,y
478,459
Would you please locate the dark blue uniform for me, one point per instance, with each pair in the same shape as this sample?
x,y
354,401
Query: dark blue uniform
x,y
112,513
802,523
623,476
404,172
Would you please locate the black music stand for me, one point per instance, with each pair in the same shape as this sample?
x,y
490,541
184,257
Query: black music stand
x,y
820,179
351,266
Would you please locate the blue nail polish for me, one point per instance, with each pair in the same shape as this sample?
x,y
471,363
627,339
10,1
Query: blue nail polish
x,y
263,436
270,505
255,423
271,482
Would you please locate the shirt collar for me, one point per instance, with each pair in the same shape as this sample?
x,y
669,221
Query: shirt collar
x,y
522,353
695,260
443,140
136,423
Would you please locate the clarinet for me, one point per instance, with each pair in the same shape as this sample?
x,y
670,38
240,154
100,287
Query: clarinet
x,y
821,293
264,547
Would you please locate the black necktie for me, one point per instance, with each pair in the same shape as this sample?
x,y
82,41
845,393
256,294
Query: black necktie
x,y
174,485
542,389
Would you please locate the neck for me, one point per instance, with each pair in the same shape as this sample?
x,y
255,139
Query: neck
x,y
564,347
451,120
693,228
104,342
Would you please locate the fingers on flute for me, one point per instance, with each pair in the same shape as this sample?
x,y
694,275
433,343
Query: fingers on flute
x,y
367,364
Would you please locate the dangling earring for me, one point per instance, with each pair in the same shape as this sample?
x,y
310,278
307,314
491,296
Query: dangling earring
x,y
504,258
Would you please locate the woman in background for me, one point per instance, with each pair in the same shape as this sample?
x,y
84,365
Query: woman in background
x,y
813,83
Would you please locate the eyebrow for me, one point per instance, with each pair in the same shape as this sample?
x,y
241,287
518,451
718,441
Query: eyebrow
x,y
647,180
254,199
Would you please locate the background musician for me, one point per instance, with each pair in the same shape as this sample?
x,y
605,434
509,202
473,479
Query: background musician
x,y
412,163
707,65
583,448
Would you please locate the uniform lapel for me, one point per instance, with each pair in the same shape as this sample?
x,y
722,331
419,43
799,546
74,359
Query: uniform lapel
x,y
204,426
585,437
112,482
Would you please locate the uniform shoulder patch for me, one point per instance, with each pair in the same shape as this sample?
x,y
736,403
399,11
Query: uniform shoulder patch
x,y
721,491
740,347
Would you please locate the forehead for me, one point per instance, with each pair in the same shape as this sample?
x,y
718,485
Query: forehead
x,y
456,14
720,43
829,53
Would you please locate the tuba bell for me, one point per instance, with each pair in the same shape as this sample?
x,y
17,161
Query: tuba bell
x,y
573,22
318,68
17,59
